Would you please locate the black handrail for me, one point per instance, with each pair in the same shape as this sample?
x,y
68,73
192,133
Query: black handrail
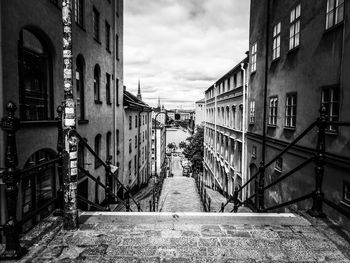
x,y
87,201
29,169
297,139
296,200
104,165
336,207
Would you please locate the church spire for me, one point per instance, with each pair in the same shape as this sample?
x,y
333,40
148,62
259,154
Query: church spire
x,y
139,97
158,103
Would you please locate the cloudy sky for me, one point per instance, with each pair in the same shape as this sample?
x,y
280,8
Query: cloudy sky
x,y
178,48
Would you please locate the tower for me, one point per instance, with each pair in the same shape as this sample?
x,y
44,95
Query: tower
x,y
158,103
139,97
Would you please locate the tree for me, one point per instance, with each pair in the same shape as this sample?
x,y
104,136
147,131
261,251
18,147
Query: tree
x,y
171,146
182,145
194,150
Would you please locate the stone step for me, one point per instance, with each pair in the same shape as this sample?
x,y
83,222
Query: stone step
x,y
193,218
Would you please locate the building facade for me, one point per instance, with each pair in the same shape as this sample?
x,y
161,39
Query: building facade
x,y
299,56
31,49
223,131
158,148
199,112
136,168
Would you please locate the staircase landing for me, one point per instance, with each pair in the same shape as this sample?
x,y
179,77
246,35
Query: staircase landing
x,y
193,237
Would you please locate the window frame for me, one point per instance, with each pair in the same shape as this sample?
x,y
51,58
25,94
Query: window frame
x,y
276,41
252,112
330,115
346,189
97,149
273,114
79,13
108,36
108,89
96,24
335,13
97,84
287,106
279,165
254,51
294,22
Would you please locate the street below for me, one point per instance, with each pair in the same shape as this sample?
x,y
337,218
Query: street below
x,y
179,193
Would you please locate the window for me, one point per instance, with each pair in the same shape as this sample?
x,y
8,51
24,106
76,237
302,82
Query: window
x,y
254,151
135,141
118,7
294,29
108,144
335,12
108,36
117,47
253,57
36,96
97,76
346,194
279,165
240,126
117,92
98,150
130,122
96,24
276,48
108,89
273,111
129,170
135,163
81,153
330,99
291,110
130,146
79,12
79,78
252,112
117,135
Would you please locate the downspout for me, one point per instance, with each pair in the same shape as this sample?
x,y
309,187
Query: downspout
x,y
215,135
244,127
205,135
138,147
115,98
265,81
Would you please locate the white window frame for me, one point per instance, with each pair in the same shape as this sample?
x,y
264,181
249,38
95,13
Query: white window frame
x,y
276,41
252,112
273,110
291,110
294,29
253,57
330,106
334,13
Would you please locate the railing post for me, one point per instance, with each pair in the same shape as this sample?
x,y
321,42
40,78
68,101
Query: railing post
x,y
260,204
222,209
127,200
316,210
138,207
11,177
150,205
108,182
154,200
60,154
209,202
235,200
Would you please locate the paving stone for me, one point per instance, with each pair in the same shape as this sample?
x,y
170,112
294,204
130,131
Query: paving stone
x,y
212,230
238,233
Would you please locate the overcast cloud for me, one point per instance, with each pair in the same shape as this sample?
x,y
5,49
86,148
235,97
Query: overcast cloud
x,y
178,48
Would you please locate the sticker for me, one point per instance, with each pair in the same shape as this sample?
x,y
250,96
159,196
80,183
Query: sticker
x,y
69,110
74,171
69,122
73,155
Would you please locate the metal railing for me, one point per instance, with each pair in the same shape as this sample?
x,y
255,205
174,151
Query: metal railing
x,y
205,198
320,161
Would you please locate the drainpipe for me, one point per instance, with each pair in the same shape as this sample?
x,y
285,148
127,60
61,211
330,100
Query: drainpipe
x,y
244,146
215,135
205,134
138,146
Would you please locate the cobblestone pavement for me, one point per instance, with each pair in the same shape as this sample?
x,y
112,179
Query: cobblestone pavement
x,y
193,237
179,193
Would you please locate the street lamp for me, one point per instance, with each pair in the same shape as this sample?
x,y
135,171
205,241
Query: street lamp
x,y
155,141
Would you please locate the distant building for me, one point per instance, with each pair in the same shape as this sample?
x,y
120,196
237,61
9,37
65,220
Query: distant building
x,y
31,76
223,131
158,147
307,59
199,112
160,112
136,169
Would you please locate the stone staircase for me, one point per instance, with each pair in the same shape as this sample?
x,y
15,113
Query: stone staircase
x,y
194,237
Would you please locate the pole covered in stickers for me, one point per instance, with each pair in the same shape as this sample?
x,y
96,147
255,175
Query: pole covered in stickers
x,y
70,174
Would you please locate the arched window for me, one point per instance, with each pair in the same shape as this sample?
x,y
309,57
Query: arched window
x,y
38,187
35,77
97,79
81,153
98,150
108,144
80,80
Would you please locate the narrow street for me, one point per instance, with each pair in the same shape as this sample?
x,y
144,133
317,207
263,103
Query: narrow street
x,y
179,193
